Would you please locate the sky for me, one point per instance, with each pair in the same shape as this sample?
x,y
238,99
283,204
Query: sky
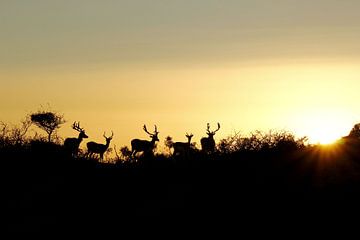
x,y
247,64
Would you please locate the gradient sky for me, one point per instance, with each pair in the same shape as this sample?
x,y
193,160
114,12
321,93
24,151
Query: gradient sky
x,y
248,64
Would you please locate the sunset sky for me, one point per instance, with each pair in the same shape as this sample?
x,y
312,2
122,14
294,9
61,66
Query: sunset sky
x,y
248,64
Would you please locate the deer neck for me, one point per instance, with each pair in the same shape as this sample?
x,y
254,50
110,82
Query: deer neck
x,y
80,138
107,144
152,142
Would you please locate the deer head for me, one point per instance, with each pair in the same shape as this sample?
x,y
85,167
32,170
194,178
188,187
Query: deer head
x,y
154,136
211,133
76,126
189,136
108,139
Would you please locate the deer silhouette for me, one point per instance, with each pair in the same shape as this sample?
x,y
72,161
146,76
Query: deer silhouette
x,y
183,148
208,143
97,148
72,144
145,146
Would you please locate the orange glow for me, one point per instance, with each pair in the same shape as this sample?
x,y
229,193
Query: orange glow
x,y
322,124
182,64
309,100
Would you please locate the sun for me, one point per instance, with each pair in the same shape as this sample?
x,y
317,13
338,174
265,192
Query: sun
x,y
325,133
324,127
324,137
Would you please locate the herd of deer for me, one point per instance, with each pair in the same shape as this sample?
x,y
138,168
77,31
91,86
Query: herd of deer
x,y
138,145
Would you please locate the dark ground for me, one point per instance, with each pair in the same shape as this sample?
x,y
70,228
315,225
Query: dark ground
x,y
298,190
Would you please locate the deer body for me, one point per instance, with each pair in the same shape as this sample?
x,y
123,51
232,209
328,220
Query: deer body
x,y
182,148
72,144
98,148
138,145
208,143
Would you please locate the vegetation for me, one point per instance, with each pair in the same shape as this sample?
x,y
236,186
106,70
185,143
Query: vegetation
x,y
263,174
47,121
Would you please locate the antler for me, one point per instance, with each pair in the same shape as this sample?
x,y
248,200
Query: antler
x,y
112,135
145,129
151,134
208,128
76,126
217,128
156,131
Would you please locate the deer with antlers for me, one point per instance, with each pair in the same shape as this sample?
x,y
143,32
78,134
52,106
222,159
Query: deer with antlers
x,y
183,148
208,143
97,148
72,144
144,146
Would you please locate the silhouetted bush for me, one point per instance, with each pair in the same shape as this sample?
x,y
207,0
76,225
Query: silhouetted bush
x,y
355,131
125,153
14,135
351,142
168,143
261,141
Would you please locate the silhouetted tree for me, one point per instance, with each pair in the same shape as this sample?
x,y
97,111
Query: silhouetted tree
x,y
352,140
47,121
355,131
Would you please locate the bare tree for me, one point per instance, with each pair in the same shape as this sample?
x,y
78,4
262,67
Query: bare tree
x,y
14,135
18,133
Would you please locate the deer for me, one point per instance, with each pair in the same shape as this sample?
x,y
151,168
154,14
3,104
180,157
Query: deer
x,y
98,148
72,144
208,143
145,146
183,148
